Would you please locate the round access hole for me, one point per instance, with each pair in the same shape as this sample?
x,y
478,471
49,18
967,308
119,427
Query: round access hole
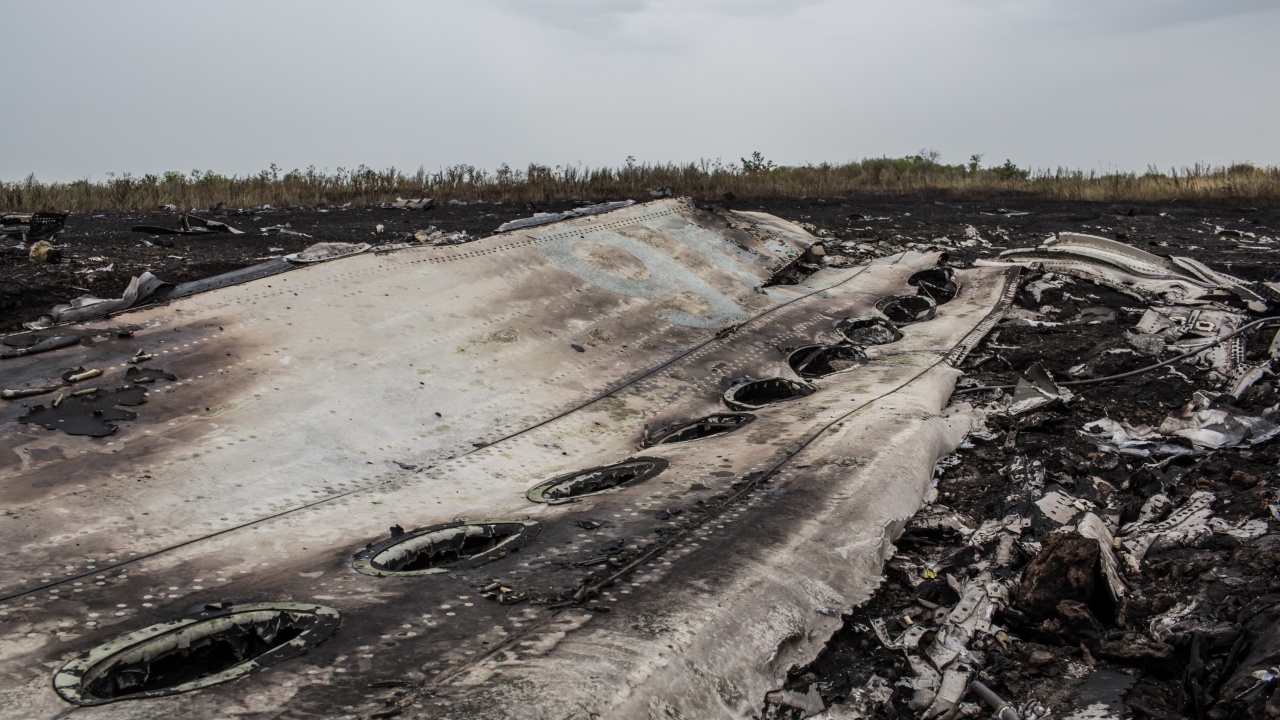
x,y
935,283
754,394
867,331
905,309
441,548
709,426
597,480
194,652
815,361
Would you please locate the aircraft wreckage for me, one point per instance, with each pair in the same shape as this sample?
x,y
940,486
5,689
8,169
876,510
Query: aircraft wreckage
x,y
588,469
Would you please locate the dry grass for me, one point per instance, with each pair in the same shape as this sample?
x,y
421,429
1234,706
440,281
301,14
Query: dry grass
x,y
755,178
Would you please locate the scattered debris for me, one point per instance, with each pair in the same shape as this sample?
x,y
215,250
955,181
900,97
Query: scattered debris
x,y
434,236
411,204
1126,268
93,414
1211,424
33,227
1129,513
282,230
189,225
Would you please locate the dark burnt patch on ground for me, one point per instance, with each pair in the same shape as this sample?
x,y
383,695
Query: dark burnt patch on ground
x,y
1196,634
101,252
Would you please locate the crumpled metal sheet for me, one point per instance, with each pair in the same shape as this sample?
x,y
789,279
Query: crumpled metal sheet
x,y
325,251
87,307
1126,268
1207,424
314,409
1185,329
548,218
1186,524
1036,389
1093,527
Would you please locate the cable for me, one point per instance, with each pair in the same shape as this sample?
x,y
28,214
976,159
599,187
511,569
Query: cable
x,y
1094,381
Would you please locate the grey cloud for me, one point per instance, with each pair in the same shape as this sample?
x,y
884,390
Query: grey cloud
x,y
738,8
608,15
1138,16
579,15
1086,83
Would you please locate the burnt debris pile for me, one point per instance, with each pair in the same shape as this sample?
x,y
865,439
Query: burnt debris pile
x,y
1106,544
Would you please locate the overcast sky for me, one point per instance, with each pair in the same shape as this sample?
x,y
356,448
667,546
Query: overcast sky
x,y
121,86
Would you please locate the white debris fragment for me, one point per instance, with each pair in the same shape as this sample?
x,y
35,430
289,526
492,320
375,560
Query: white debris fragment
x,y
1208,426
1036,389
321,252
1062,508
1187,525
1092,526
1127,269
546,218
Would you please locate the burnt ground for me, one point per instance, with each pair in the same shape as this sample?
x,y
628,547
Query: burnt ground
x,y
1199,663
101,253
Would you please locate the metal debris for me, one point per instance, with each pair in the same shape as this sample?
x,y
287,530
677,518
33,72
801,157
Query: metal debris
x,y
547,218
325,251
1124,267
189,224
33,344
32,227
1036,389
85,307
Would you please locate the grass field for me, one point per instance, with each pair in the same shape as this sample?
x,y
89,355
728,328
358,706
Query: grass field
x,y
755,177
